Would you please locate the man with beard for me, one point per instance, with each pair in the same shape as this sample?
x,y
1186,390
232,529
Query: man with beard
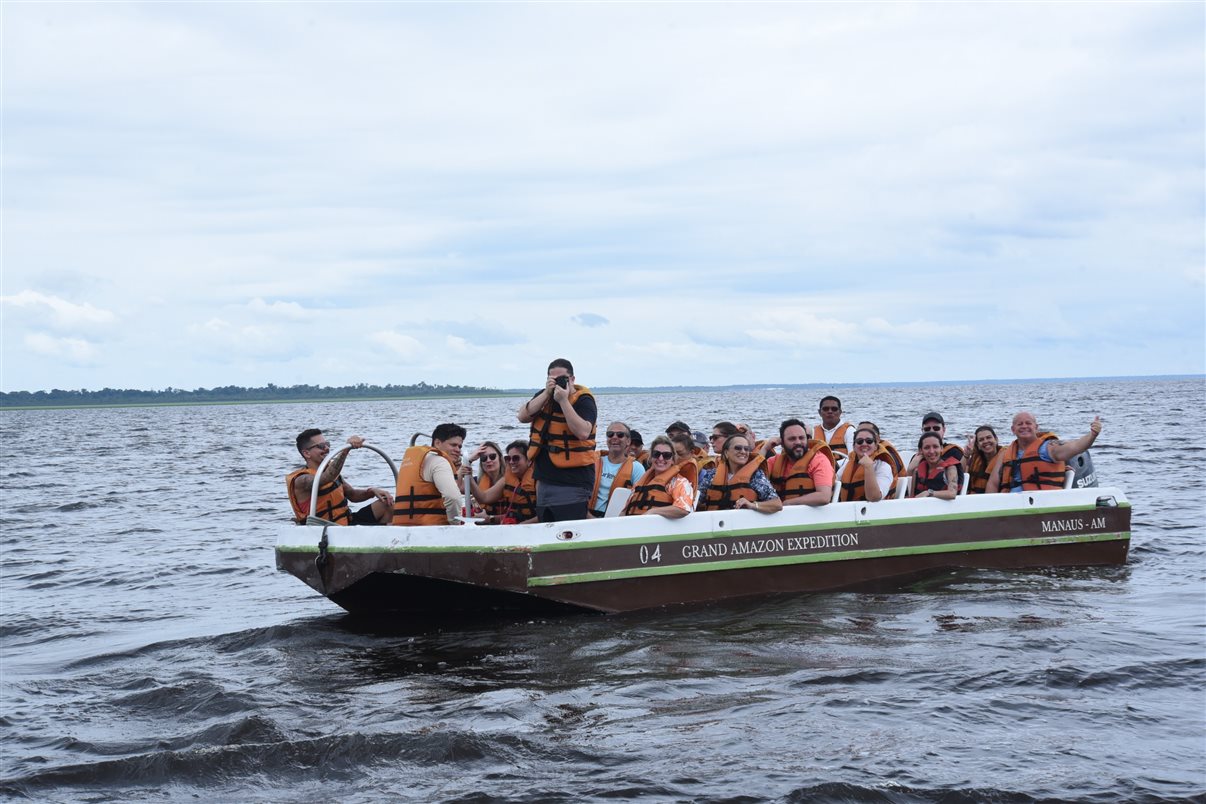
x,y
802,473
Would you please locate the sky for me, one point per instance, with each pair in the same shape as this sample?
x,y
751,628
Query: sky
x,y
208,194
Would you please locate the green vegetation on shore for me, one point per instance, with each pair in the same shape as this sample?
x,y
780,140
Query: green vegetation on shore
x,y
234,394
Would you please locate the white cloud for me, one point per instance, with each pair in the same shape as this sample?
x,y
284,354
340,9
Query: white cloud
x,y
403,346
64,315
729,183
291,311
74,350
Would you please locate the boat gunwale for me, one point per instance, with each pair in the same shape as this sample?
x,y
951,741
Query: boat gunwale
x,y
390,539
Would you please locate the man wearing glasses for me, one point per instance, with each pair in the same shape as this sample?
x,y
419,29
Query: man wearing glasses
x,y
839,435
933,422
334,493
614,469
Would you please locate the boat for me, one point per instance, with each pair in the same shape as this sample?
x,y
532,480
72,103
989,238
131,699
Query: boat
x,y
620,564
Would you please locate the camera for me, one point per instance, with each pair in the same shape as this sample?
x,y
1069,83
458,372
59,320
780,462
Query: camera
x,y
563,381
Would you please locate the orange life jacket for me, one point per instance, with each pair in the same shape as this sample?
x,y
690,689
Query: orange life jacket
x,y
792,479
332,505
980,470
897,461
550,433
836,442
1035,473
926,478
497,507
723,493
622,480
519,494
418,501
852,477
653,491
704,462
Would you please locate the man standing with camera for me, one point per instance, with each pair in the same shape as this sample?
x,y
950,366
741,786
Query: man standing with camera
x,y
562,444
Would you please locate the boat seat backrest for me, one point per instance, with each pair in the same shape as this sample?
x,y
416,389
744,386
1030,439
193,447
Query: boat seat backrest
x,y
966,483
902,486
837,490
1069,476
615,506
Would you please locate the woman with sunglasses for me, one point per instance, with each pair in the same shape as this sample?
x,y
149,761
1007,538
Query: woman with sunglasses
x,y
665,489
737,481
981,457
935,476
868,473
490,469
512,500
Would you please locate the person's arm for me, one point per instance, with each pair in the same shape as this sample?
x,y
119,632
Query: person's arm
x,y
436,470
331,473
681,495
1062,452
871,489
994,475
302,485
766,500
490,495
577,425
952,486
529,409
822,474
768,446
360,495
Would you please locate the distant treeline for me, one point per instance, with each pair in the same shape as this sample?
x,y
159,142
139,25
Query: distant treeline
x,y
230,393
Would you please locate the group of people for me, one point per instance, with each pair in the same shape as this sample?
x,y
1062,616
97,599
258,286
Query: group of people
x,y
559,474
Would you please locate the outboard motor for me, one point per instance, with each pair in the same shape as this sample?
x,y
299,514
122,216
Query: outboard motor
x,y
1084,477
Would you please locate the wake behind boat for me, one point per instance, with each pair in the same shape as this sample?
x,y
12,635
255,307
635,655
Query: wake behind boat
x,y
621,564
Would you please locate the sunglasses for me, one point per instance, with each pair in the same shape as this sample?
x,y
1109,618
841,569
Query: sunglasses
x,y
512,458
739,448
616,434
830,410
490,458
320,445
864,441
935,428
665,456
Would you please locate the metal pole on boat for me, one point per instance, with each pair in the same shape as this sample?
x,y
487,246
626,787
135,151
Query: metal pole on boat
x,y
467,509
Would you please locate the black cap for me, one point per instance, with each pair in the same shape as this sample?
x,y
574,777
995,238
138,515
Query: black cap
x,y
934,416
677,426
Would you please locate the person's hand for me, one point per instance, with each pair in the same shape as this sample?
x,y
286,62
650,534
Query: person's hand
x,y
355,442
742,502
464,471
867,462
382,495
1095,427
772,442
477,453
560,394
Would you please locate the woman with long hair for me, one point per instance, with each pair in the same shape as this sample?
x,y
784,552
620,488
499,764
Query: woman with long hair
x,y
737,481
935,476
869,473
981,457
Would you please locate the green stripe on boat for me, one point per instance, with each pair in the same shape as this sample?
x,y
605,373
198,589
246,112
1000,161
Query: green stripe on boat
x,y
849,555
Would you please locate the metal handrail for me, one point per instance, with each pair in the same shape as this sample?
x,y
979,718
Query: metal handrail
x,y
318,475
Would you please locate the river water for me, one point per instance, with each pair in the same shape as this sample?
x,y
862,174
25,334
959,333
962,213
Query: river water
x,y
152,652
